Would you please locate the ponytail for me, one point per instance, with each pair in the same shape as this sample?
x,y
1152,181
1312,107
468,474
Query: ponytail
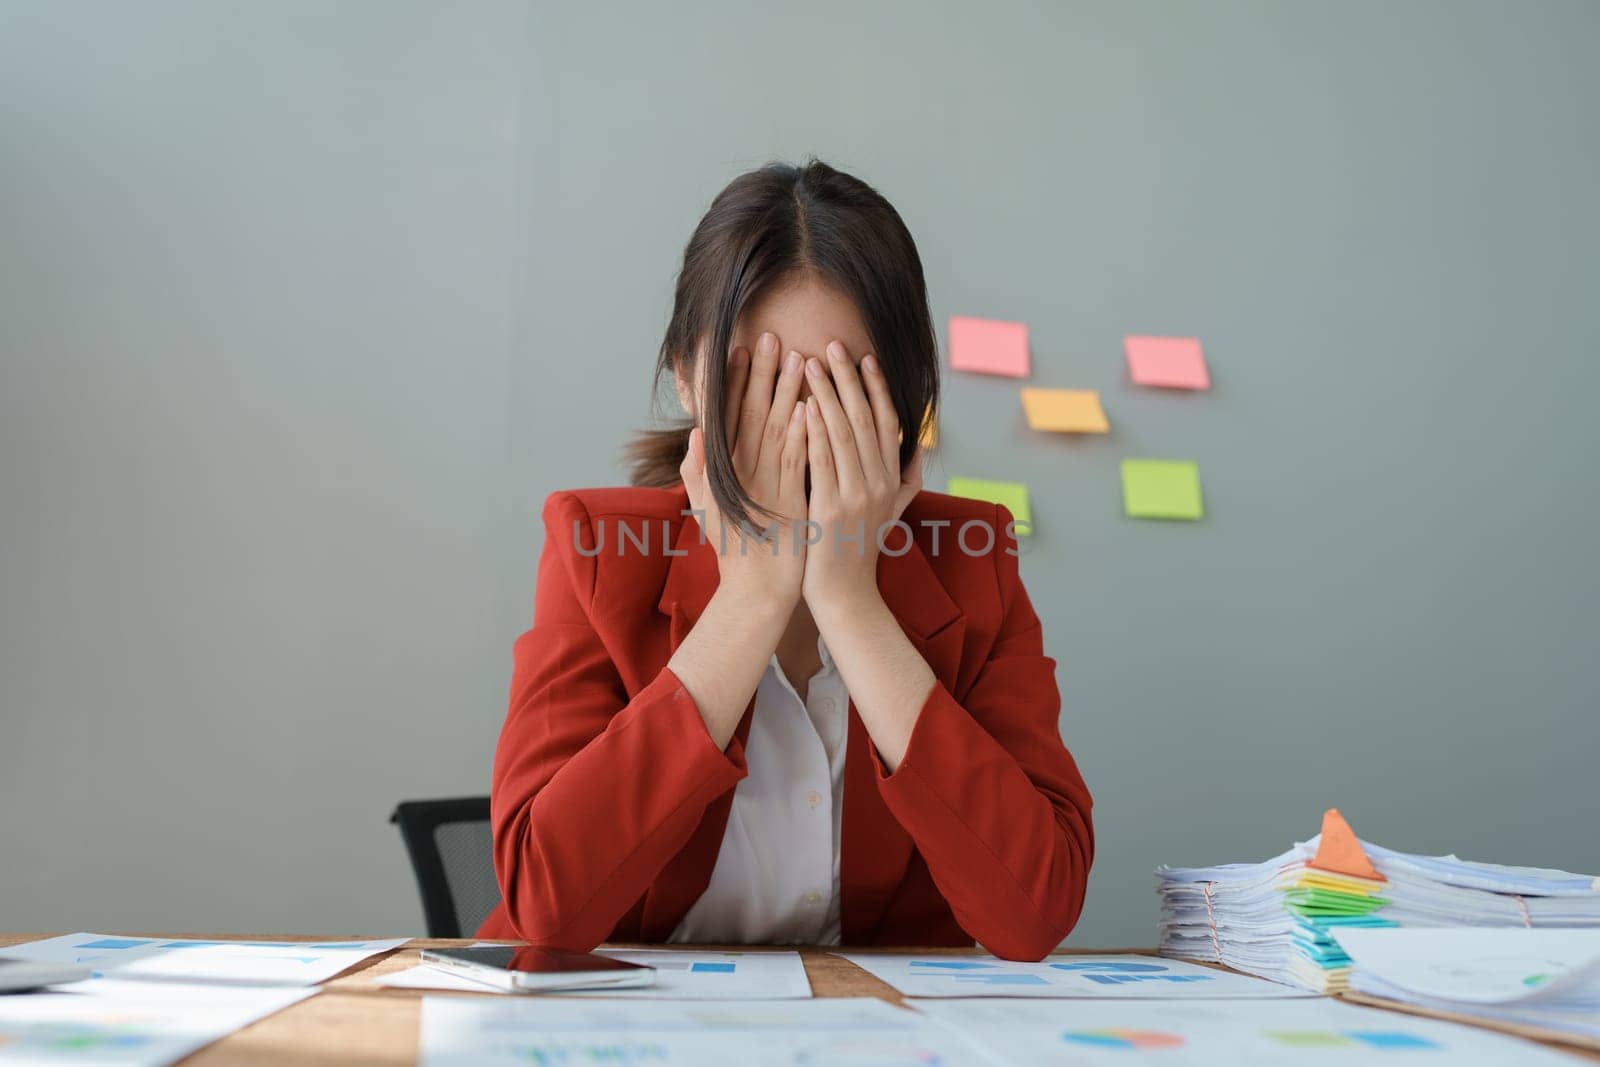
x,y
654,456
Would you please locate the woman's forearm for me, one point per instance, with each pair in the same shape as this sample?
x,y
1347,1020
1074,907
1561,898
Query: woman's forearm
x,y
722,658
887,677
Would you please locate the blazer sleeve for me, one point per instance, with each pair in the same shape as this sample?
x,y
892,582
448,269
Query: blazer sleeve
x,y
593,792
990,794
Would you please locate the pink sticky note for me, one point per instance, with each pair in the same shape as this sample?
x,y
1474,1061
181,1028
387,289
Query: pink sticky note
x,y
989,346
1170,362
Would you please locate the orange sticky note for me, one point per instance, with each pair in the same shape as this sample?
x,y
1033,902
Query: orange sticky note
x,y
1340,851
989,346
1064,410
1168,362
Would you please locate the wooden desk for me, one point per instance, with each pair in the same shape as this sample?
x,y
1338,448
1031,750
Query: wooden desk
x,y
355,1021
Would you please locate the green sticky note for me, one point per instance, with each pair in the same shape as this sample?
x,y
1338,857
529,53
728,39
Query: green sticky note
x,y
1014,495
1161,489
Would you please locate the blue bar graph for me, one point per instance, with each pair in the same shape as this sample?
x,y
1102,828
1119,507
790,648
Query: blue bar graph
x,y
1000,979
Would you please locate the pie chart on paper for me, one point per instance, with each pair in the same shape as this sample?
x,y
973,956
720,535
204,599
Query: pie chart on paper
x,y
1123,1039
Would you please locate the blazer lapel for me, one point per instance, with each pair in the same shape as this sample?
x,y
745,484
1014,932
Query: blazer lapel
x,y
691,579
875,848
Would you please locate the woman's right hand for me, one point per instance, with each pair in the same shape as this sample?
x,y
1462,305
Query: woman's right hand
x,y
767,428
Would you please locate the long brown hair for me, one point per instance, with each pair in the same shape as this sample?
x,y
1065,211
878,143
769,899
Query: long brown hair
x,y
766,226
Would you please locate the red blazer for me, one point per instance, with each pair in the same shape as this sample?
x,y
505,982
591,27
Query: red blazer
x,y
610,799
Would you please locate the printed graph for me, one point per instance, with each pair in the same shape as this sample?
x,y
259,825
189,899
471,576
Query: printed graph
x,y
69,1040
614,1053
1123,1039
1378,1040
1124,979
870,1052
975,972
1101,972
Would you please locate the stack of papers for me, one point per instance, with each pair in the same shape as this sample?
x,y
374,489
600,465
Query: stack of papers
x,y
1277,919
1543,978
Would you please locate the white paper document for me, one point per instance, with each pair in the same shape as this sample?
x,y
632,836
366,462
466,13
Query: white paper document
x,y
1546,978
843,1032
186,960
1489,966
1100,977
1303,1031
681,974
136,1024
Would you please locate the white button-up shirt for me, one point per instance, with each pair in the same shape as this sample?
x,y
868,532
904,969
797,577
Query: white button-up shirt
x,y
777,876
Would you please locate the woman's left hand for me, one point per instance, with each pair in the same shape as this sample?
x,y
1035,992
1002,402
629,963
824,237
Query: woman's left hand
x,y
857,488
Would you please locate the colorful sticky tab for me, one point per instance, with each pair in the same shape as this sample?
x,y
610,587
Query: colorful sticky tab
x,y
1013,495
989,346
1340,851
1161,489
1065,410
1168,362
929,437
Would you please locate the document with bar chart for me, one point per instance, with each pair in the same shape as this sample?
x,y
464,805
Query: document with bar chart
x,y
184,959
1103,977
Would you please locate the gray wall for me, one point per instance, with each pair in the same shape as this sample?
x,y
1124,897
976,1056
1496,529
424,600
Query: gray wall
x,y
305,307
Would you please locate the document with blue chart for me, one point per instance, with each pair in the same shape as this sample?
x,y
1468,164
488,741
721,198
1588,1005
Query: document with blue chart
x,y
1304,1031
555,1032
288,963
1105,977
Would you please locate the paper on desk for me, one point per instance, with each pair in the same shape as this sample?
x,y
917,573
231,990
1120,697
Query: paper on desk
x,y
1099,977
138,1024
837,1031
183,959
681,974
989,346
1249,1032
1485,966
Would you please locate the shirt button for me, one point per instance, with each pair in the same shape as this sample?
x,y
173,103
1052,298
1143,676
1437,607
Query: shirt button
x,y
813,897
825,705
813,798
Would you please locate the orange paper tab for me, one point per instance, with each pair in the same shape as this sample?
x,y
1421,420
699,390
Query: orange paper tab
x,y
1340,852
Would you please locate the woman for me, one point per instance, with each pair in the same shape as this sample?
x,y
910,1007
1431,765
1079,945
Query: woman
x,y
742,715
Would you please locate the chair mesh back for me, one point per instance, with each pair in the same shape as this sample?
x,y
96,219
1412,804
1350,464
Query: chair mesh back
x,y
452,856
466,850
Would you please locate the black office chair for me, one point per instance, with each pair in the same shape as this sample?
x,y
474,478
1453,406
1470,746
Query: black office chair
x,y
452,855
